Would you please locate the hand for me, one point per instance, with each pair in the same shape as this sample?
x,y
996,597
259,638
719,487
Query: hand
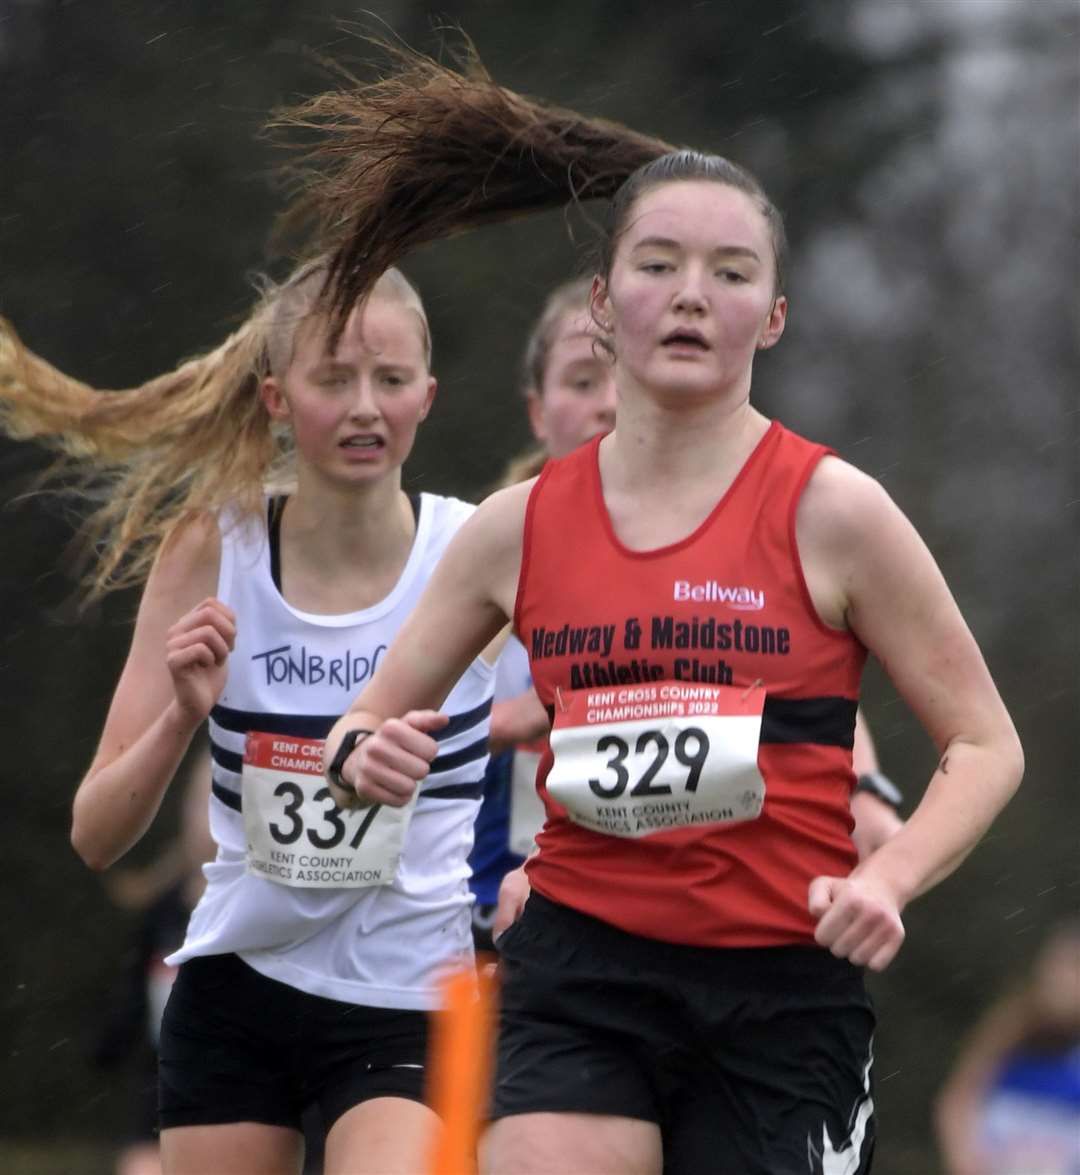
x,y
519,720
513,893
196,653
857,919
387,766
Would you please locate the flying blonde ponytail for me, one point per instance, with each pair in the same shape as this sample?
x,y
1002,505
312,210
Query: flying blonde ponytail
x,y
193,440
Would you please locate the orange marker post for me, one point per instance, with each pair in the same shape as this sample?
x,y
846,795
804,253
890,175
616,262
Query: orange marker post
x,y
459,1069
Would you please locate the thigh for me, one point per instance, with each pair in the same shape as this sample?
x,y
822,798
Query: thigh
x,y
226,1053
555,1144
580,1030
241,1148
382,1136
783,1091
355,1054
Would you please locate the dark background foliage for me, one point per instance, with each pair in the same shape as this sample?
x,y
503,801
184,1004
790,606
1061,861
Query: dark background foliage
x,y
925,154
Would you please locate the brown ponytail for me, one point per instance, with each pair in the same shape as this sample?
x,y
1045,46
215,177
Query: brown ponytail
x,y
426,152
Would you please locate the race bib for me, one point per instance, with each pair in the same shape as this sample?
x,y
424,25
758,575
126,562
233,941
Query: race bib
x,y
634,760
297,835
526,807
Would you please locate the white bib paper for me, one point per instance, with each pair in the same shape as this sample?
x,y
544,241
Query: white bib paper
x,y
634,760
298,836
526,807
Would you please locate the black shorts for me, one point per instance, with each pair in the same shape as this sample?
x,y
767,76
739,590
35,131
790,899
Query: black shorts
x,y
751,1061
239,1047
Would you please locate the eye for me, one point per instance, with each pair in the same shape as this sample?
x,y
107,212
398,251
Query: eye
x,y
733,276
655,266
393,379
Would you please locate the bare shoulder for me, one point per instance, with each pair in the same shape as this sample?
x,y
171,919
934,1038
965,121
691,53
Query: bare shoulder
x,y
186,568
841,505
847,528
504,510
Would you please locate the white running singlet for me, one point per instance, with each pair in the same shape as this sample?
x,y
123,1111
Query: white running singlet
x,y
293,673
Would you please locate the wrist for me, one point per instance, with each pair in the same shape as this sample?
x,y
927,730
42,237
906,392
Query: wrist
x,y
349,742
877,784
182,721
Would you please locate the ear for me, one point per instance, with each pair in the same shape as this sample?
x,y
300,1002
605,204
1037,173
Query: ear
x,y
534,405
600,308
273,396
429,398
774,324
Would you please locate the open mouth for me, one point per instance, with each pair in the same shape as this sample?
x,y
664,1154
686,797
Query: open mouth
x,y
362,442
686,338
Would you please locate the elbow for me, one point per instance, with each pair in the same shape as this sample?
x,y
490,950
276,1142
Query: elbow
x,y
1014,758
88,847
91,858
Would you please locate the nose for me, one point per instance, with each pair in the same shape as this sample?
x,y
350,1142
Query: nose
x,y
690,297
363,406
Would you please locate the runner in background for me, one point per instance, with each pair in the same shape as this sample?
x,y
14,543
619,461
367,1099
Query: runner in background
x,y
265,479
1012,1100
569,391
698,591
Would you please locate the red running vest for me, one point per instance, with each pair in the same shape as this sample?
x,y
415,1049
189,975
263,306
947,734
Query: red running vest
x,y
727,605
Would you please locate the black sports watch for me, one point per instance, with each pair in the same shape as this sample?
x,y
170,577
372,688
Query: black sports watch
x,y
881,786
345,749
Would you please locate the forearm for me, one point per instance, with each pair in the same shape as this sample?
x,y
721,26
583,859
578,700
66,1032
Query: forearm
x,y
117,802
969,788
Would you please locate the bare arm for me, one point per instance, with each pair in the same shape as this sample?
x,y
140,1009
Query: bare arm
x,y
174,671
868,569
466,604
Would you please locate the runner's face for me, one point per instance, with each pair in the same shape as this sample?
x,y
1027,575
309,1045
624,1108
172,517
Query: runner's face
x,y
354,413
577,398
691,290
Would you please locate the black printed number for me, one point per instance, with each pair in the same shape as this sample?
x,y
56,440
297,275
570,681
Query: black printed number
x,y
332,817
691,750
292,808
331,814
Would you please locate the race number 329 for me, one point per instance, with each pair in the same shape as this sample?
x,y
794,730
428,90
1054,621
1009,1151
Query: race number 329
x,y
637,760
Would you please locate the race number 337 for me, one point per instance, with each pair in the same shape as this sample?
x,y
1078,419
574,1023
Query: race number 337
x,y
297,835
639,759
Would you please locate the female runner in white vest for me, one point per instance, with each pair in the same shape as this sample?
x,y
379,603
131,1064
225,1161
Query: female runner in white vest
x,y
308,967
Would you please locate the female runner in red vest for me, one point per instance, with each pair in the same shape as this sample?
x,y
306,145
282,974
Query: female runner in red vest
x,y
697,591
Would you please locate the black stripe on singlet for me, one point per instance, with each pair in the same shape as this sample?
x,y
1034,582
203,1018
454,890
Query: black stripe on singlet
x,y
296,725
318,725
454,791
231,799
454,759
823,722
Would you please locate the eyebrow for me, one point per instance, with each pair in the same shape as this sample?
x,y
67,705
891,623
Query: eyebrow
x,y
723,250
